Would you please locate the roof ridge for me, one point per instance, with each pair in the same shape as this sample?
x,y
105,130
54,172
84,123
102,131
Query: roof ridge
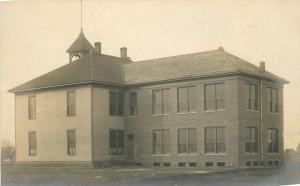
x,y
154,59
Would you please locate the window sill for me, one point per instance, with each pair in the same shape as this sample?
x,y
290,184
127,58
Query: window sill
x,y
276,113
273,153
161,154
210,111
251,154
182,154
132,116
252,110
161,114
180,113
215,154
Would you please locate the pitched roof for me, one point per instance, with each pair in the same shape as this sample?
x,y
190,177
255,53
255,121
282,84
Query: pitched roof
x,y
80,44
91,68
209,63
100,68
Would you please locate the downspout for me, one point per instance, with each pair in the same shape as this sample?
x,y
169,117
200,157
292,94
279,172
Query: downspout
x,y
92,111
261,126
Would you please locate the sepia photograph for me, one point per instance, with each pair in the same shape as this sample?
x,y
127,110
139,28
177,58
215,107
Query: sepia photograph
x,y
150,92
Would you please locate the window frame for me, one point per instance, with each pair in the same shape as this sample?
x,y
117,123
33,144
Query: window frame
x,y
131,105
272,147
215,143
31,107
249,99
187,140
165,136
215,99
118,106
71,106
32,145
251,147
188,100
117,148
71,142
165,103
270,100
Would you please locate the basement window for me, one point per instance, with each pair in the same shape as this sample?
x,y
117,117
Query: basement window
x,y
156,164
221,164
181,164
209,164
192,164
167,164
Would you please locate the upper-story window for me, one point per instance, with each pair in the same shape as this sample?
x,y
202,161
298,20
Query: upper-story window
x,y
272,140
31,107
214,139
251,140
214,96
115,103
132,103
71,103
186,99
251,96
160,101
272,100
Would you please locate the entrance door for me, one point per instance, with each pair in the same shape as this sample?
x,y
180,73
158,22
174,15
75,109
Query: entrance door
x,y
130,147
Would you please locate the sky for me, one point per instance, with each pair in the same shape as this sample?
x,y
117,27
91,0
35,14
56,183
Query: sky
x,y
35,35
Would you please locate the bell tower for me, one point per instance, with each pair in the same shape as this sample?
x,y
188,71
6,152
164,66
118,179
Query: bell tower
x,y
81,46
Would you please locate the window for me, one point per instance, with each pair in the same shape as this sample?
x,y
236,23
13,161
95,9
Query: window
x,y
214,97
167,164
31,107
221,164
116,141
160,101
71,103
272,100
209,164
192,164
251,140
116,103
187,140
156,164
255,163
248,163
214,139
186,99
132,103
32,143
272,140
71,142
181,164
251,97
161,141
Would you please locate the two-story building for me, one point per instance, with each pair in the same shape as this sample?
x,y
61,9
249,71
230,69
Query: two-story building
x,y
206,109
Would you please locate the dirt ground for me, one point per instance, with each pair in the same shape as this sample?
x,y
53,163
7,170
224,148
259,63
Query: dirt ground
x,y
288,174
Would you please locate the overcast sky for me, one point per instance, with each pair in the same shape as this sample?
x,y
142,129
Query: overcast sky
x,y
35,35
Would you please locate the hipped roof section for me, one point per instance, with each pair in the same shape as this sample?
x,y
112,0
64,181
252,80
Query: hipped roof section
x,y
105,69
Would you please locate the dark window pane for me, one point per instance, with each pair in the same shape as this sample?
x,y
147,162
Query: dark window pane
x,y
192,99
220,98
133,103
182,140
210,97
183,99
120,103
112,103
157,101
192,140
32,143
166,101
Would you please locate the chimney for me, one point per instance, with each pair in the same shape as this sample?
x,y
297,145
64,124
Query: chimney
x,y
123,52
98,47
262,66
